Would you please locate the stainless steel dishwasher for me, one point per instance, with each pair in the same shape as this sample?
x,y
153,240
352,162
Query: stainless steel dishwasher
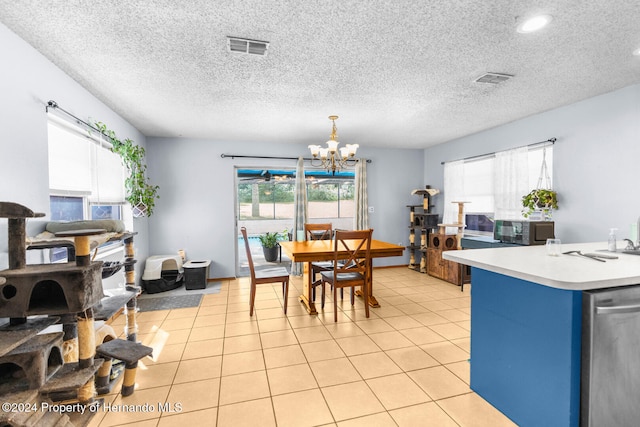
x,y
610,380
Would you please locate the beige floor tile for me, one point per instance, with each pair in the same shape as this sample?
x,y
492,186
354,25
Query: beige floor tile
x,y
176,324
210,310
402,322
450,331
373,365
182,312
165,353
445,352
390,340
243,387
241,316
411,358
454,315
155,375
382,419
351,400
151,397
426,414
241,343
461,369
246,414
206,333
240,328
210,320
195,395
334,371
471,410
439,383
412,308
269,313
436,305
342,330
278,338
428,319
301,409
303,321
206,348
239,363
422,335
283,356
204,417
387,311
198,369
145,316
322,350
290,379
463,343
397,391
360,344
372,326
314,333
270,325
394,300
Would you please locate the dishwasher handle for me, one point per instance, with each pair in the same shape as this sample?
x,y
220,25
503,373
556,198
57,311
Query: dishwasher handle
x,y
618,309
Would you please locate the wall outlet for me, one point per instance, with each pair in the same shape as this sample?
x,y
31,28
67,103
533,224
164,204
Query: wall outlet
x,y
370,209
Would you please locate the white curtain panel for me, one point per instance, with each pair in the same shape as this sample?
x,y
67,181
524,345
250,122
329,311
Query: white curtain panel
x,y
511,179
361,217
300,211
453,192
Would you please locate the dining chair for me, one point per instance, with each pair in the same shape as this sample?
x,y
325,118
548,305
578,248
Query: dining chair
x,y
351,261
318,232
270,275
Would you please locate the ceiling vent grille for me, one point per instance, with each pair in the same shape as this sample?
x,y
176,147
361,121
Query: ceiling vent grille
x,y
251,47
493,78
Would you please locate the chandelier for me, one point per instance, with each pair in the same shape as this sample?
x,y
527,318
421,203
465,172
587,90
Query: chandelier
x,y
329,157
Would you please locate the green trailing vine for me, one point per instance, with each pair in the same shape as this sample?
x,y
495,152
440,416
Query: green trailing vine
x,y
140,193
539,199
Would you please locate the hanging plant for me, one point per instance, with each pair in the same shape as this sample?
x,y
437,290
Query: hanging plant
x,y
540,199
140,193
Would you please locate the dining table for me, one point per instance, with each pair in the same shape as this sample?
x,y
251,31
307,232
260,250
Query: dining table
x,y
308,251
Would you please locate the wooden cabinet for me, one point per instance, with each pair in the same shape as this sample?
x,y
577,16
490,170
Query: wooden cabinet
x,y
449,271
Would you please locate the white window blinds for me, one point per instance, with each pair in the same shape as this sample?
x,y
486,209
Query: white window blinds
x,y
81,163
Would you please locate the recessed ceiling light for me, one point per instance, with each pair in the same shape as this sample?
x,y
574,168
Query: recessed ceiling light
x,y
637,52
534,24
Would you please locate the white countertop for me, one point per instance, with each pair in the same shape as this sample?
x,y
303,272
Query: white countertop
x,y
570,272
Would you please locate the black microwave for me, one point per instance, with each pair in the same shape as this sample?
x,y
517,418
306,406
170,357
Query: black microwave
x,y
523,232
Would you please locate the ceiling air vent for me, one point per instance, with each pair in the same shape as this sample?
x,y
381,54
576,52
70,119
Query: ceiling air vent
x,y
252,47
493,78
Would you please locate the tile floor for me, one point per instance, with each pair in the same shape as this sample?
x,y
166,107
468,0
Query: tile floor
x,y
407,365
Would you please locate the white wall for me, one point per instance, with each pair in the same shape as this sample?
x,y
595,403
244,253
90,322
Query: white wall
x,y
27,81
195,211
596,161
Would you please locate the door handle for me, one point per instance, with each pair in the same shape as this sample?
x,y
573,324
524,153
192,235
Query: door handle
x,y
618,309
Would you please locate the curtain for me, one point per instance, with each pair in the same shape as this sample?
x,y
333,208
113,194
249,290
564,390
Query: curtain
x,y
511,176
361,216
453,192
300,211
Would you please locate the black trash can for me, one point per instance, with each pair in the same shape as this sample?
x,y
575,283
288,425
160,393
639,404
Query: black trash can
x,y
196,274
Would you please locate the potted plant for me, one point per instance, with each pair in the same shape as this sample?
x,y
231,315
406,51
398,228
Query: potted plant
x,y
140,193
540,200
269,241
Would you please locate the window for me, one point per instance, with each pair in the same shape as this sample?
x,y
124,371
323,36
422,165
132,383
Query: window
x,y
494,185
86,179
269,194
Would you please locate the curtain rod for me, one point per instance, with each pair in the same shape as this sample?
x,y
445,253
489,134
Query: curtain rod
x,y
233,156
55,106
550,141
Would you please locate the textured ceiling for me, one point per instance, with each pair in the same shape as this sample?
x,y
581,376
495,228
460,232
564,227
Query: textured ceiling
x,y
399,73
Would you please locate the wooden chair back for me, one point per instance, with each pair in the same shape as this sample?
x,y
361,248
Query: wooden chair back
x,y
357,244
318,231
243,230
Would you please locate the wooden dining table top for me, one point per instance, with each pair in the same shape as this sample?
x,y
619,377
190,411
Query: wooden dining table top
x,y
322,250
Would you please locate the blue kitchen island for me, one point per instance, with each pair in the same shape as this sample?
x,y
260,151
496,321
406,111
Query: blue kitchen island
x,y
526,326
